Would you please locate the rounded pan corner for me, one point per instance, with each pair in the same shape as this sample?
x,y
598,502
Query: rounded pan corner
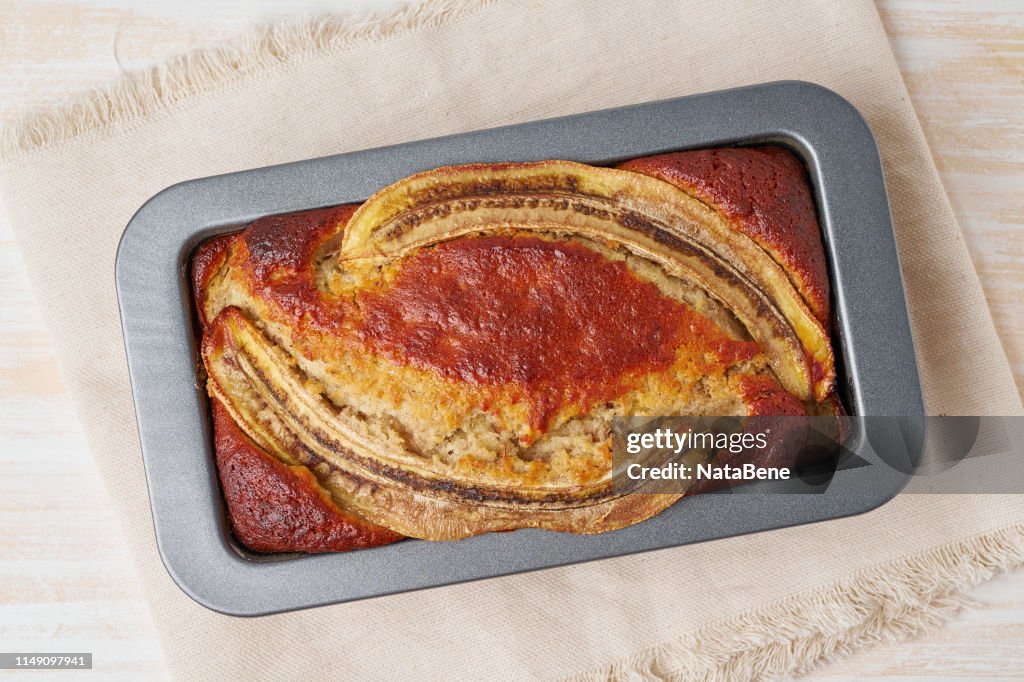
x,y
846,124
896,486
202,581
168,196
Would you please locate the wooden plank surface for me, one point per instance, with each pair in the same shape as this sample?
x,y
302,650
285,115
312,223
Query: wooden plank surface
x,y
66,580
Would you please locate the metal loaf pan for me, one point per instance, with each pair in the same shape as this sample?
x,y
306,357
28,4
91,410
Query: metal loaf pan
x,y
877,367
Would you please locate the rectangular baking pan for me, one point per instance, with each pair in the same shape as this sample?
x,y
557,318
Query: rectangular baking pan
x,y
877,366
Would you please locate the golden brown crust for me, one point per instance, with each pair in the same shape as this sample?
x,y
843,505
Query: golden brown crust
x,y
209,257
449,365
585,330
277,508
406,501
764,193
273,507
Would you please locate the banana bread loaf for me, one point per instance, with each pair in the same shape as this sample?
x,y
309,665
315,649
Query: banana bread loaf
x,y
446,358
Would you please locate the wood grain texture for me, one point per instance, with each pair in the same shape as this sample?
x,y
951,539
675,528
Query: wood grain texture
x,y
66,580
963,64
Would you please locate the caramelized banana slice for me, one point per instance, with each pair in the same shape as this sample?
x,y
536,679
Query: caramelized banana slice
x,y
269,397
649,216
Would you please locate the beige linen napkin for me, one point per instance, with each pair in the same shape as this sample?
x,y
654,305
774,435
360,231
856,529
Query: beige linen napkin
x,y
756,605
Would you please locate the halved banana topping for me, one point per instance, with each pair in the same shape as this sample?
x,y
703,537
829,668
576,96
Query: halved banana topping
x,y
687,238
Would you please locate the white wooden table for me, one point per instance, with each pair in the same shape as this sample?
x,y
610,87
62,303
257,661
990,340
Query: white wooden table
x,y
66,580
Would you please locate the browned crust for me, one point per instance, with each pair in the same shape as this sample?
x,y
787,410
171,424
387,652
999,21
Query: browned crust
x,y
208,258
273,507
278,508
763,192
286,243
433,509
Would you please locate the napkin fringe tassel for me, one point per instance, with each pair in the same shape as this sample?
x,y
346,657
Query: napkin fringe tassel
x,y
888,603
140,94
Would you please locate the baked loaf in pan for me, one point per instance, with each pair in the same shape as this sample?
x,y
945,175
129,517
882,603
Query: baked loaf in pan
x,y
446,358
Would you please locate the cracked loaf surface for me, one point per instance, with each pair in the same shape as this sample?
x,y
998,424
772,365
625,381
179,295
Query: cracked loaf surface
x,y
446,358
